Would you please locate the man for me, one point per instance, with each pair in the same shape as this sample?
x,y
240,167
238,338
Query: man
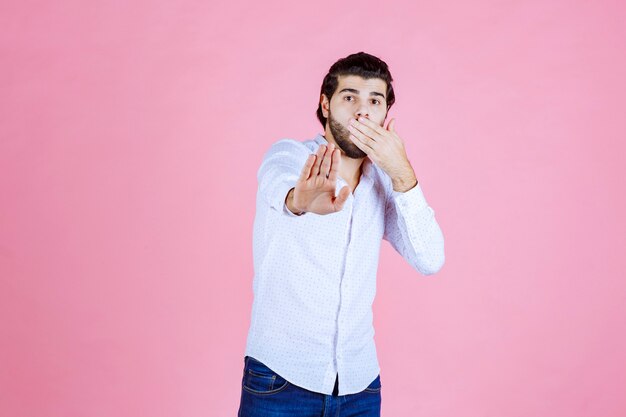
x,y
323,207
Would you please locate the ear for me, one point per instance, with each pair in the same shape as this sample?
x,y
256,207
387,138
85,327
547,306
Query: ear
x,y
325,105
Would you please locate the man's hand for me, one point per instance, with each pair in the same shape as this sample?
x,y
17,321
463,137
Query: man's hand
x,y
386,149
315,189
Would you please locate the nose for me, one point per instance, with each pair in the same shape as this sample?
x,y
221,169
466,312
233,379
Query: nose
x,y
363,111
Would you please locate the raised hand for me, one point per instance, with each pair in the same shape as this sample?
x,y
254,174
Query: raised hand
x,y
315,189
386,149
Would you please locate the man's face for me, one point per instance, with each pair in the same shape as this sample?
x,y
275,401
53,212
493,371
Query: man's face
x,y
354,97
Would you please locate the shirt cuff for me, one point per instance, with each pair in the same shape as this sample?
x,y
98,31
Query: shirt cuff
x,y
280,189
411,199
283,188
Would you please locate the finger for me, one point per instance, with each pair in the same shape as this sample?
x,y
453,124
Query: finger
x,y
362,141
357,128
306,169
320,155
375,127
334,167
324,170
341,199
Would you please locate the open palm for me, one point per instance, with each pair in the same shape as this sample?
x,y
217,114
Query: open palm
x,y
315,189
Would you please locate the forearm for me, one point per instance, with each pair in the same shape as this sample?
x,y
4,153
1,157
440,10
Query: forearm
x,y
411,228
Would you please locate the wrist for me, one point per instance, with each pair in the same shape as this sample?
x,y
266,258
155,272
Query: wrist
x,y
404,183
290,205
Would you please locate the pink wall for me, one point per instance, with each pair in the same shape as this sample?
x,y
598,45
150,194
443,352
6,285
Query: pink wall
x,y
129,143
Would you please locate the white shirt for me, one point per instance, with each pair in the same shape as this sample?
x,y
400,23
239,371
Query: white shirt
x,y
315,275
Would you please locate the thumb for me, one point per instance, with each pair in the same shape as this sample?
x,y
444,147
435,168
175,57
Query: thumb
x,y
341,199
392,125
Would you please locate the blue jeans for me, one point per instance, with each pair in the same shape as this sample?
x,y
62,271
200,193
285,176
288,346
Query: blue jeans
x,y
267,394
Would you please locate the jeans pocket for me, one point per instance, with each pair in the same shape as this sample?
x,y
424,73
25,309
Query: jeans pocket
x,y
375,386
260,379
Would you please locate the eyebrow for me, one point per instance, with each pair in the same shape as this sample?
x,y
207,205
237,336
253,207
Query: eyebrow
x,y
352,90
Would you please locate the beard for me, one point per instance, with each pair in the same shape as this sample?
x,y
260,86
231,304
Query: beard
x,y
342,138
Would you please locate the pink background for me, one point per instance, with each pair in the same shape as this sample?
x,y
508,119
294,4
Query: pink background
x,y
129,143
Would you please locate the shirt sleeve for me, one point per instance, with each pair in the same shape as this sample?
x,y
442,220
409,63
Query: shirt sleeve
x,y
413,231
279,172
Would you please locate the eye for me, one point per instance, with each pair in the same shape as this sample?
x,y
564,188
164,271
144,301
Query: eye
x,y
347,97
377,102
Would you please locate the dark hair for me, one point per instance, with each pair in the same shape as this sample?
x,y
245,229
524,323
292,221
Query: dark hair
x,y
361,64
